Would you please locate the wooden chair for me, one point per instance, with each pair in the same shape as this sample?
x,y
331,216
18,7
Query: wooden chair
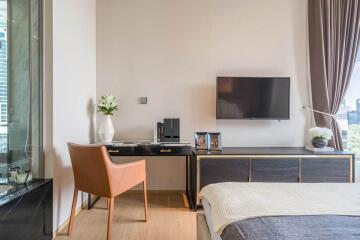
x,y
95,173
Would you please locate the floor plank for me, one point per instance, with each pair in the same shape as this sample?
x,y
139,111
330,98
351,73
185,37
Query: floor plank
x,y
168,219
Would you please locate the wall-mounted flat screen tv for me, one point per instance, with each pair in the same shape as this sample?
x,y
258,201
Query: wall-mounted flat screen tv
x,y
253,98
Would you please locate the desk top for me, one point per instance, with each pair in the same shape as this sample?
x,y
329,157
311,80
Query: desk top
x,y
149,149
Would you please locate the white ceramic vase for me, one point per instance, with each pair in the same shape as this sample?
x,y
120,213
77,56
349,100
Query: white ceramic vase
x,y
106,129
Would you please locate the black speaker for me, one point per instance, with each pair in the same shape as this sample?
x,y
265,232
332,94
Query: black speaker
x,y
172,130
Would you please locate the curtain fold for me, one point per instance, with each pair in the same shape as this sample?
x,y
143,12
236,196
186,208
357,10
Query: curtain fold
x,y
334,37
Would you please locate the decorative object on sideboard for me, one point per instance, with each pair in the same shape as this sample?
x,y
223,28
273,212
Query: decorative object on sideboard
x,y
168,131
13,172
200,140
159,132
171,130
320,136
317,150
23,178
107,105
213,141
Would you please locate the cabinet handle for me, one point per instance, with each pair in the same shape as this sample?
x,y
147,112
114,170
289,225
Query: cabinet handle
x,y
165,150
113,151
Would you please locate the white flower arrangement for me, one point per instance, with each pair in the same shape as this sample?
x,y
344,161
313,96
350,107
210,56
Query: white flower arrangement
x,y
107,104
322,133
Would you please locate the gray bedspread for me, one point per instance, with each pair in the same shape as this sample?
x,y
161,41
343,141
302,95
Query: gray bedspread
x,y
323,227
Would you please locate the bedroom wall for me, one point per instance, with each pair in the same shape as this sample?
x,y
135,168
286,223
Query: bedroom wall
x,y
172,52
70,92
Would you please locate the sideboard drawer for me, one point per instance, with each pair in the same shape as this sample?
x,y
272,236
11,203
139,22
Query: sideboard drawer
x,y
315,170
223,170
275,170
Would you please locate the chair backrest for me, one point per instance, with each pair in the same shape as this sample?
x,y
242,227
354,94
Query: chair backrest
x,y
90,165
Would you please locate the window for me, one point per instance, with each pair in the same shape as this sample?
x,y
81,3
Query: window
x,y
20,91
3,142
3,113
349,112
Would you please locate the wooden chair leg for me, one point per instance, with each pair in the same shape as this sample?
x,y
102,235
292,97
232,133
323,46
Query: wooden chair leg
x,y
111,209
108,203
145,200
72,214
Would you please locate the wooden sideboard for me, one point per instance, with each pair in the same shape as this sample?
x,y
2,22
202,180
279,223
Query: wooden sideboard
x,y
268,165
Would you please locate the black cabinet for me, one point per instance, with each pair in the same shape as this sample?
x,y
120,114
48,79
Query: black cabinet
x,y
275,170
316,170
212,170
27,212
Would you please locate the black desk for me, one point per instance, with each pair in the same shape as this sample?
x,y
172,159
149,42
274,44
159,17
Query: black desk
x,y
151,149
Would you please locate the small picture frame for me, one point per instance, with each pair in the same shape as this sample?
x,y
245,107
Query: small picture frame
x,y
214,141
201,140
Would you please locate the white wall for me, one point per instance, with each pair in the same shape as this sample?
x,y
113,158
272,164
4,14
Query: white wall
x,y
172,52
73,93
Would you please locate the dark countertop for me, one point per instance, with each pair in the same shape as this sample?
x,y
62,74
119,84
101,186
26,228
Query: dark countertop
x,y
267,151
149,150
182,150
20,189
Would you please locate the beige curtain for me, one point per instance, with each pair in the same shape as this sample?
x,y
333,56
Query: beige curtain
x,y
334,35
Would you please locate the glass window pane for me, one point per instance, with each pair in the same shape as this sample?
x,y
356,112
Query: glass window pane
x,y
349,112
20,87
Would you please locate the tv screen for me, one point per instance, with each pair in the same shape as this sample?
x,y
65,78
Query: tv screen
x,y
253,98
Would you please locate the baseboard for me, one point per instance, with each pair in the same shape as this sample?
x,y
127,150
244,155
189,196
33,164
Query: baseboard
x,y
77,211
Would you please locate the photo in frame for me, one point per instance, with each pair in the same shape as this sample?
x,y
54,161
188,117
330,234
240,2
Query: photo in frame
x,y
200,140
214,141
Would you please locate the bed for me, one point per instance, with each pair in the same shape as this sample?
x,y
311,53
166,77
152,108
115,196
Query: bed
x,y
291,211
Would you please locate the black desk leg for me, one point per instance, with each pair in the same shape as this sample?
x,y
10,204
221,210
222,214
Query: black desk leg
x,y
90,204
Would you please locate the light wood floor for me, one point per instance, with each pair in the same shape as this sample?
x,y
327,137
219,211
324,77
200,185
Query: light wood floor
x,y
168,219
